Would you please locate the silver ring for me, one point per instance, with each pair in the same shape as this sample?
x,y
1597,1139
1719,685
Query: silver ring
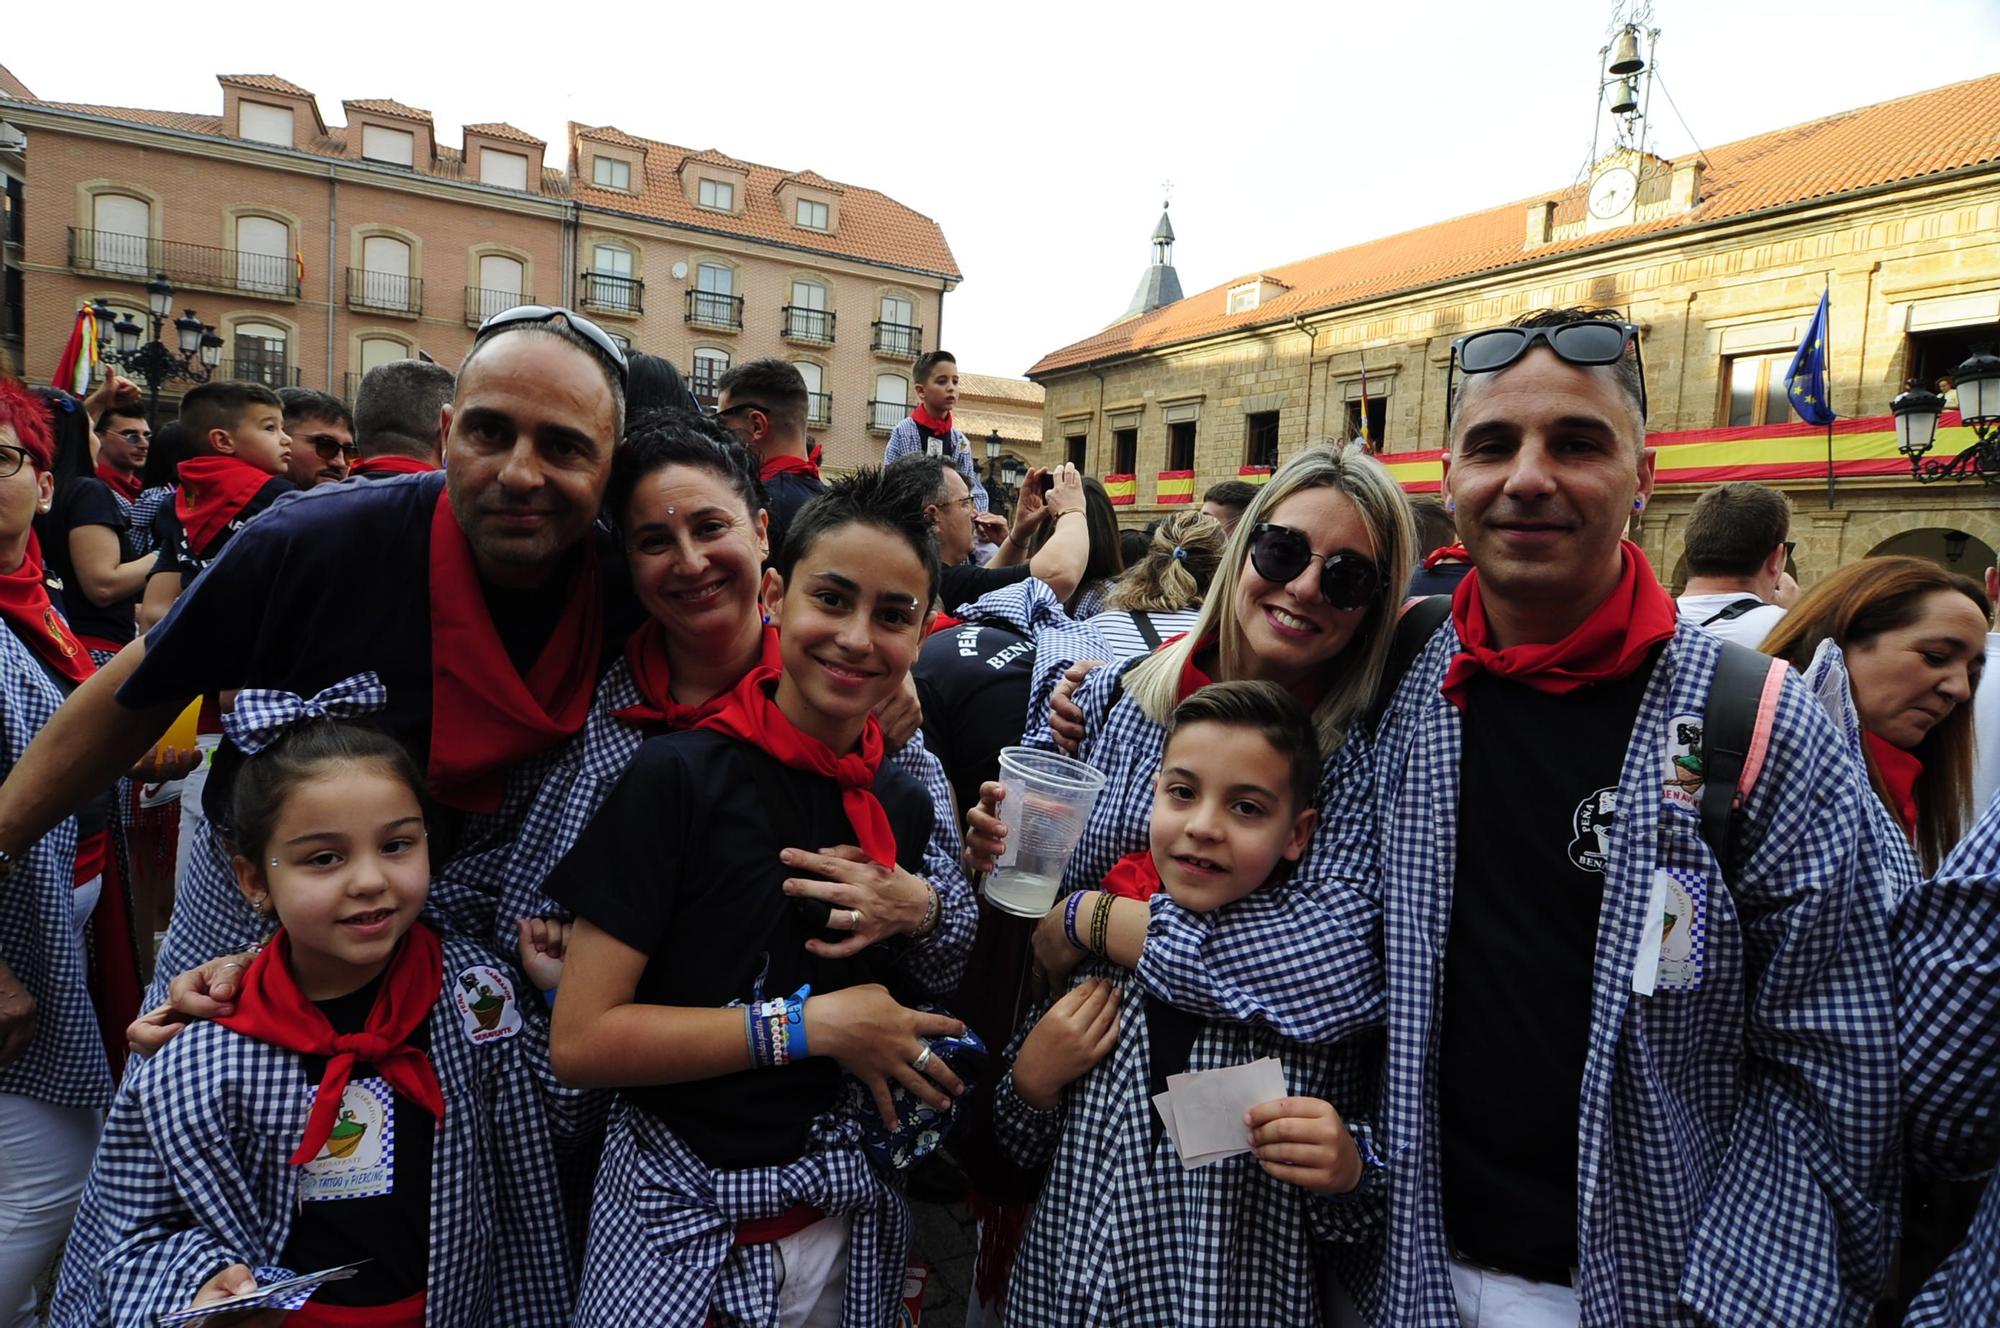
x,y
234,963
854,919
923,1059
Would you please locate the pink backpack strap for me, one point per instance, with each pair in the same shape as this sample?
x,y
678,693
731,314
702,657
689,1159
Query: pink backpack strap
x,y
1760,734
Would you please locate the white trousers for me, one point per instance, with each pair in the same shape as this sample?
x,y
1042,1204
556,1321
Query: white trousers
x,y
45,1153
1489,1299
812,1274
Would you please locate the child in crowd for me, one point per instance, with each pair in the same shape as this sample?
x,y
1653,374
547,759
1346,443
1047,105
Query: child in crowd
x,y
713,985
1230,1242
929,427
379,1096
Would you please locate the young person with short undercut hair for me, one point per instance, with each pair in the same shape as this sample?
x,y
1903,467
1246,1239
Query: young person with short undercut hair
x,y
398,418
322,432
929,428
763,402
1736,548
124,440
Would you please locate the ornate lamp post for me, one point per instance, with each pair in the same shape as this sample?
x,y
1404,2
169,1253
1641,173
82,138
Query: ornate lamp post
x,y
993,475
1917,410
197,354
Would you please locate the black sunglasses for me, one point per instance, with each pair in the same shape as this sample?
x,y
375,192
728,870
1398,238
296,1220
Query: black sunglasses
x,y
328,446
1346,580
1591,343
548,313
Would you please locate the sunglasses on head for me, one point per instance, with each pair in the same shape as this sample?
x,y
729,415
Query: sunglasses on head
x,y
1346,580
1590,343
548,313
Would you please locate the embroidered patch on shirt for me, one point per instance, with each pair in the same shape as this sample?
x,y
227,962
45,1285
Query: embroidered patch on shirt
x,y
486,1004
1684,775
359,1159
1674,945
1591,824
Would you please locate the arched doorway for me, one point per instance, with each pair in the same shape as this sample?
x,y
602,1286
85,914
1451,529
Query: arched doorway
x,y
1954,550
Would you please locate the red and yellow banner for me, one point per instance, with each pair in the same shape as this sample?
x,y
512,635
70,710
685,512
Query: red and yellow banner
x,y
1123,489
1253,474
1176,486
1797,451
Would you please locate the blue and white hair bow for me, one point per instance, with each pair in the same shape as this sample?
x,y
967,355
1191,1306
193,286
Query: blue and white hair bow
x,y
264,714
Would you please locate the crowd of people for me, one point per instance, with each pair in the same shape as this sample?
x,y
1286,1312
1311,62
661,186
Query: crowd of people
x,y
582,803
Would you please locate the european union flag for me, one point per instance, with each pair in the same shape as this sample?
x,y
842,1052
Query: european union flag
x,y
1805,381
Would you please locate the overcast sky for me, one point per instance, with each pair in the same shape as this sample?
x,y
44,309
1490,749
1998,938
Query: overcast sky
x,y
1038,135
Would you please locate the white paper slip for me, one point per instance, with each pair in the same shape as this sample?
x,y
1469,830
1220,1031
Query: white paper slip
x,y
285,1292
1203,1111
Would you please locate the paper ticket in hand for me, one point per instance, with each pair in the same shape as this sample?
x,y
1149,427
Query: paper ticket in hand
x,y
277,1289
1203,1111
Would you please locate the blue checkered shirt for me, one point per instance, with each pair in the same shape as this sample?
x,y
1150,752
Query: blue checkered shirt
x,y
142,512
1965,1292
194,1173
906,438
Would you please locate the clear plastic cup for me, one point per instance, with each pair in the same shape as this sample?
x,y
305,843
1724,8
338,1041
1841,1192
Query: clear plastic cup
x,y
1049,797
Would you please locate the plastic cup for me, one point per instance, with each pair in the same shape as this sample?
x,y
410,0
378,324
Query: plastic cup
x,y
1049,797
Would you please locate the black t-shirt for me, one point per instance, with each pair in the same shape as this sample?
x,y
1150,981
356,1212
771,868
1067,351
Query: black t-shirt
x,y
681,863
1440,580
973,683
784,494
87,501
1538,782
966,582
178,556
391,1231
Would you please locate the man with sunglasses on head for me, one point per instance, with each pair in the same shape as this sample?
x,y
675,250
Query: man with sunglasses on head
x,y
763,402
473,595
1634,1079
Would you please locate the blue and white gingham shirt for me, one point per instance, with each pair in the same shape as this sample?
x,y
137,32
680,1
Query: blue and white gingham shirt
x,y
906,438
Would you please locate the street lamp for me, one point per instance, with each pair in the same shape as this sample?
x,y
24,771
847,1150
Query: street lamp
x,y
1916,410
993,473
198,352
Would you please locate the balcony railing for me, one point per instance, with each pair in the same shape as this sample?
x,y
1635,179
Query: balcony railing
x,y
271,373
607,292
899,339
481,304
139,257
814,326
715,309
819,409
884,416
704,388
392,292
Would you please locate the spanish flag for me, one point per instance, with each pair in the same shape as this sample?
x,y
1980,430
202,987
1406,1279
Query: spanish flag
x,y
1122,489
1253,474
1176,486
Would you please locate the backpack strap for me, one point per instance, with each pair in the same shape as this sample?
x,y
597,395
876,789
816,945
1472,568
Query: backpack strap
x,y
1735,735
1144,622
1733,610
1418,622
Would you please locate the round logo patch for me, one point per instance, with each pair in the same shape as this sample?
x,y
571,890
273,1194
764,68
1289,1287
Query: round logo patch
x,y
486,1004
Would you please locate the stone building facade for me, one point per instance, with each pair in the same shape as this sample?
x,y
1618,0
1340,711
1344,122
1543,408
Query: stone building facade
x,y
1720,259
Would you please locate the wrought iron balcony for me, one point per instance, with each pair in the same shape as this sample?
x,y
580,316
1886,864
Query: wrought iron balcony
x,y
481,304
812,326
391,292
903,340
607,292
819,409
884,416
271,373
715,309
139,257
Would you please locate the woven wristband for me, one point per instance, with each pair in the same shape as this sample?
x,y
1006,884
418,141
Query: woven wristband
x,y
1069,920
795,1026
1100,924
750,1036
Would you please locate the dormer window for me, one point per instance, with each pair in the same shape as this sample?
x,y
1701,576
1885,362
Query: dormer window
x,y
1244,298
611,173
811,215
264,124
508,170
718,195
396,147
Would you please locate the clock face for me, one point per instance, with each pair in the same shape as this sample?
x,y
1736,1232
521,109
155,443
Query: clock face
x,y
1613,192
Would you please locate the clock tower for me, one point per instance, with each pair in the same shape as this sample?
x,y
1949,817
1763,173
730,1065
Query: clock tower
x,y
1614,192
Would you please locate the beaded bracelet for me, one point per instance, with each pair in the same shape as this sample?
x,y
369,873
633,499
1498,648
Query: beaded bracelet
x,y
1069,920
1100,924
931,911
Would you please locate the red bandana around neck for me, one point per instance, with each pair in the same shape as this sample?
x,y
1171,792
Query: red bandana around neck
x,y
778,465
1637,615
1450,553
1192,678
213,490
390,464
1132,877
272,1010
484,716
1899,771
750,713
25,606
646,656
122,482
937,424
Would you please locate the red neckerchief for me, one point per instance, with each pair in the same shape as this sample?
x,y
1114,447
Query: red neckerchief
x,y
813,454
933,423
484,717
121,481
1132,877
749,713
1899,771
646,656
778,465
25,606
1192,678
942,622
1450,553
390,464
213,490
271,1008
1637,615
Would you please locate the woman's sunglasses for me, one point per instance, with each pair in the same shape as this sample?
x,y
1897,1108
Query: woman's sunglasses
x,y
1346,580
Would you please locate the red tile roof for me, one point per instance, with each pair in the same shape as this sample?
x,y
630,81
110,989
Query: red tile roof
x,y
264,83
874,228
501,129
183,121
385,106
811,180
1944,129
715,158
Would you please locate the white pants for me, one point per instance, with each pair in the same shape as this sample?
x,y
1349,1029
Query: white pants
x,y
191,789
45,1153
812,1274
1489,1299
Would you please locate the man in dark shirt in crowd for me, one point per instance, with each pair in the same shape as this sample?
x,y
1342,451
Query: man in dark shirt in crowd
x,y
398,418
1060,561
763,402
1444,561
322,432
1228,501
124,439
